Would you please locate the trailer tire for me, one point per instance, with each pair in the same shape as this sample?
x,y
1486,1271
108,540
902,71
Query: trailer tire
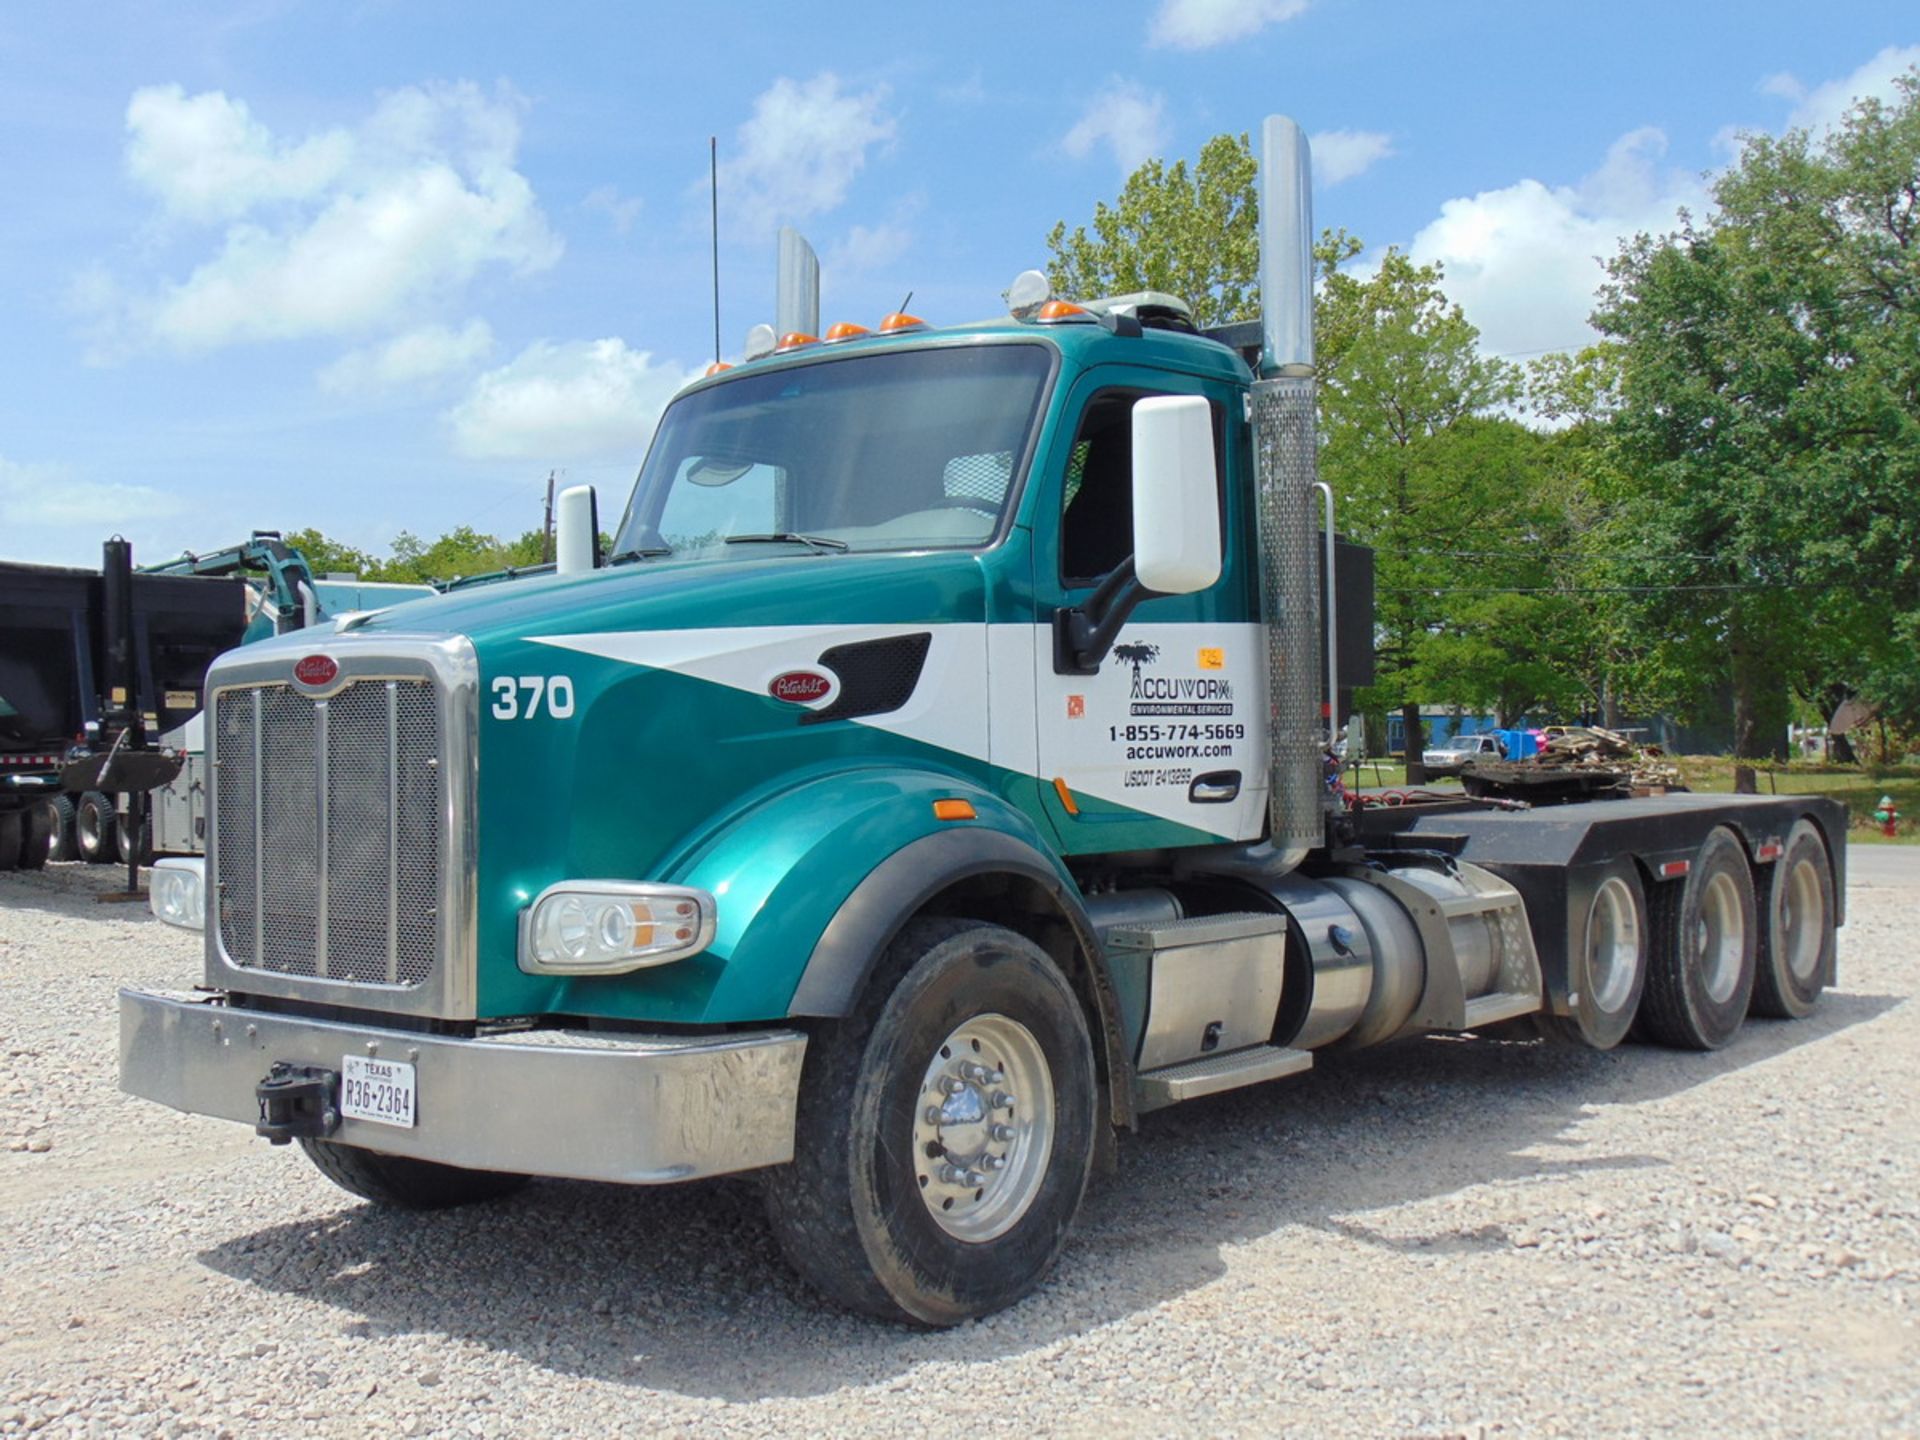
x,y
1607,972
1796,943
95,829
403,1182
38,826
12,829
1705,940
874,1211
63,837
133,842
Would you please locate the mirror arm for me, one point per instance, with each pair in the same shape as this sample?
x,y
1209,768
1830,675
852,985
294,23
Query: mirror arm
x,y
1082,635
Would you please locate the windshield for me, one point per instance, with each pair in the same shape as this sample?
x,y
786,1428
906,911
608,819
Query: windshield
x,y
902,450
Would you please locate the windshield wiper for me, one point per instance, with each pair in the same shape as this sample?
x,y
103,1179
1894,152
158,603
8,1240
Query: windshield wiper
x,y
819,544
643,552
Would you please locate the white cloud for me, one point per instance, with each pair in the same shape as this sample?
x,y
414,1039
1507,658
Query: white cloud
x,y
621,210
348,232
1128,120
582,401
414,358
42,497
799,152
1342,154
1524,261
1823,106
1202,24
866,248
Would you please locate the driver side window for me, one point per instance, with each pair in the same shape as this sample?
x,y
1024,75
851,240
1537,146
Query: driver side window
x,y
1096,515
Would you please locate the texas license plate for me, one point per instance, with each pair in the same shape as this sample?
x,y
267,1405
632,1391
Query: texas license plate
x,y
377,1090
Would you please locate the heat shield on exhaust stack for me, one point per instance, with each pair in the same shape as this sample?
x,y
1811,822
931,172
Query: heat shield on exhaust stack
x,y
1286,464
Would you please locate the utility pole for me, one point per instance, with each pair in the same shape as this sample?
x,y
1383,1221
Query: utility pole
x,y
546,532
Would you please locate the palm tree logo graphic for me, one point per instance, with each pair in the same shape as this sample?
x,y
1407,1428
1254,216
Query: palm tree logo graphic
x,y
1136,656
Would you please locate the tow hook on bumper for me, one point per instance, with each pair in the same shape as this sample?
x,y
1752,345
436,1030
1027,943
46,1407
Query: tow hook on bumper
x,y
298,1100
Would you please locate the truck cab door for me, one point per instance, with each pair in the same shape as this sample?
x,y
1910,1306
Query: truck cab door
x,y
1166,744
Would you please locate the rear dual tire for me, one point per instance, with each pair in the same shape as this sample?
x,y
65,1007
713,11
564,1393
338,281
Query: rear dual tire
x,y
96,829
1796,948
1706,933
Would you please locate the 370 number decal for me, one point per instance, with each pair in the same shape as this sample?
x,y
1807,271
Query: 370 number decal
x,y
552,694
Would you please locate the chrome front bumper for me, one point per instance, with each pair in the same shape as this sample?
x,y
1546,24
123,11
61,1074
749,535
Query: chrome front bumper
x,y
587,1105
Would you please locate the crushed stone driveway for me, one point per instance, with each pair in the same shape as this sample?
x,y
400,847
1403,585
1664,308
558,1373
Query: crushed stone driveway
x,y
1450,1237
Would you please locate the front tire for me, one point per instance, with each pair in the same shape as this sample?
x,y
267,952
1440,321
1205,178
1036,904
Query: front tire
x,y
1705,939
1796,945
405,1183
945,1131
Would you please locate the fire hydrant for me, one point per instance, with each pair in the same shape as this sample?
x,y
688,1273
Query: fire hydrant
x,y
1887,817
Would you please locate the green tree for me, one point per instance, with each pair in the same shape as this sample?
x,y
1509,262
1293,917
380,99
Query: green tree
x,y
1768,425
1189,233
330,557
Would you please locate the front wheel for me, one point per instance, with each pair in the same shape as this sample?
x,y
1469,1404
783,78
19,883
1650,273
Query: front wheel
x,y
944,1133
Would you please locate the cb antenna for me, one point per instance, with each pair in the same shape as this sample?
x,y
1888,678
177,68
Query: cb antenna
x,y
713,176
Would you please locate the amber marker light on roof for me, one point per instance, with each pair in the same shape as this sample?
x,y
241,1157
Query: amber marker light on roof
x,y
717,366
899,320
795,340
953,810
846,330
1056,311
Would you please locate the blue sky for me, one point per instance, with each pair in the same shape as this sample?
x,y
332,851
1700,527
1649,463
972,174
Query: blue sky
x,y
379,266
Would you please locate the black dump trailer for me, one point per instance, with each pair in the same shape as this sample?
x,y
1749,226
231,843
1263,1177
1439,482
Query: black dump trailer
x,y
94,664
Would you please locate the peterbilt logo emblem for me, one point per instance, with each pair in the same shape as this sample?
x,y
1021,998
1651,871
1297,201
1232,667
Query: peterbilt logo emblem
x,y
315,670
812,688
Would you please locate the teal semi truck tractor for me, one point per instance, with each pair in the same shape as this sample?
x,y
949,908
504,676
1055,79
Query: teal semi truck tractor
x,y
934,779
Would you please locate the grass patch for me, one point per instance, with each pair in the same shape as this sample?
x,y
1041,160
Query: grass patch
x,y
1858,789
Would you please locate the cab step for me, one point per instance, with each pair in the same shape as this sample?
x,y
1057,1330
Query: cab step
x,y
1486,1010
1157,1089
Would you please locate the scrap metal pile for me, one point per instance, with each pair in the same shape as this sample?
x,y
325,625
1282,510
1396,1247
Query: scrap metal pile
x,y
1576,762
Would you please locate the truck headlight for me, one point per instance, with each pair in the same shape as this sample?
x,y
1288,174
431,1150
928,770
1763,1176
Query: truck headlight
x,y
608,927
177,891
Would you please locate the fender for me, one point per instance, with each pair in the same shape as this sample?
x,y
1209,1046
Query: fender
x,y
896,889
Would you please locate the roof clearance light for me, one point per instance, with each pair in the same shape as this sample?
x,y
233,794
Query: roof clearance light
x,y
900,321
846,330
1060,312
795,340
717,367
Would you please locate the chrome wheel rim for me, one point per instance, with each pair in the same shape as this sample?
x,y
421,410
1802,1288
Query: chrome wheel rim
x,y
1613,945
983,1128
1801,928
1720,936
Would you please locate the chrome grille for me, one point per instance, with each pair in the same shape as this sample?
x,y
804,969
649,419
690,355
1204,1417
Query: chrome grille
x,y
327,831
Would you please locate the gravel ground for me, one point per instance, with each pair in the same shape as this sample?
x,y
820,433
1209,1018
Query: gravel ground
x,y
1446,1237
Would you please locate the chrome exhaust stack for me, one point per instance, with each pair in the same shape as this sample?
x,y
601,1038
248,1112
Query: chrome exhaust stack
x,y
1286,468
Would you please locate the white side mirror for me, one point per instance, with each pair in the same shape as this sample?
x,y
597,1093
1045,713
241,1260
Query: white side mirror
x,y
576,530
1176,497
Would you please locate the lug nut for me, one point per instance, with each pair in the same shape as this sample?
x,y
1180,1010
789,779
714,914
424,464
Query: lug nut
x,y
972,1071
1003,1133
1002,1100
933,1114
994,1162
953,1175
975,1180
952,1084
